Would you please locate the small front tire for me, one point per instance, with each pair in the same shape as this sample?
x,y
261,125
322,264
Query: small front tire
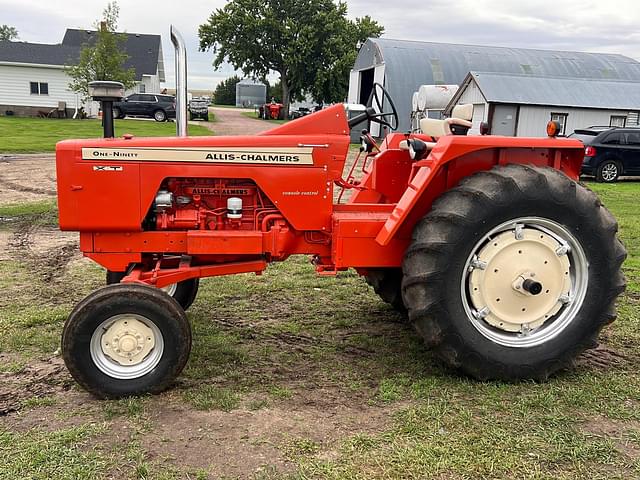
x,y
184,292
126,340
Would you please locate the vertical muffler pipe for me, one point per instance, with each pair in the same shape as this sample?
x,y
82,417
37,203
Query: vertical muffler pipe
x,y
181,82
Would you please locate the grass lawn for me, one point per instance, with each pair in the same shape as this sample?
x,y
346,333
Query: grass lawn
x,y
293,376
35,135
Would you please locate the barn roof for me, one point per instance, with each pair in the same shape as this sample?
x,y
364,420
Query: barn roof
x,y
409,64
446,63
555,91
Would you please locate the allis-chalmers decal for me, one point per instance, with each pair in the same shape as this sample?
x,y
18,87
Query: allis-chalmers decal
x,y
264,155
216,191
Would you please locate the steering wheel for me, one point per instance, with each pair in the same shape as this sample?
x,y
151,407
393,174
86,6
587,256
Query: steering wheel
x,y
375,112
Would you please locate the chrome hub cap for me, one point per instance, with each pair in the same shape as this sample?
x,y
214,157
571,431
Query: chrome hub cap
x,y
524,282
126,346
610,172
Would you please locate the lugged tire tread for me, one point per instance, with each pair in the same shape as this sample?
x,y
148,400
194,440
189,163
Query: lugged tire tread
x,y
434,238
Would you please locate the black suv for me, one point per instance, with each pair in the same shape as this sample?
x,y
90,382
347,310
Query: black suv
x,y
610,152
199,108
158,107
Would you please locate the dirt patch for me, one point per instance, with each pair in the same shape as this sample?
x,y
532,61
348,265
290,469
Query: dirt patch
x,y
617,431
36,380
46,249
241,443
27,178
602,357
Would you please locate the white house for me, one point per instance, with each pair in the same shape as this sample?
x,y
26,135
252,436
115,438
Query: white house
x,y
33,80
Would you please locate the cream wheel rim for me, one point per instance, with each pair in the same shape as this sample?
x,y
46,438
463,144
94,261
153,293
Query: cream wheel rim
x,y
126,346
524,282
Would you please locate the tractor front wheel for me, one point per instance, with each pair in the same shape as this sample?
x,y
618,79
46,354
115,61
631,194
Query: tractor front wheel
x,y
184,292
513,273
125,340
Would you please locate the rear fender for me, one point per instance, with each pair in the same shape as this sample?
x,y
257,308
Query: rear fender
x,y
457,157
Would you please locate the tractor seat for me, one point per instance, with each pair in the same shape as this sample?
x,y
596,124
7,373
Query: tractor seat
x,y
404,145
458,124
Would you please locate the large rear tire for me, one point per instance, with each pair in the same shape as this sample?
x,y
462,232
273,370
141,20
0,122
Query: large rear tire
x,y
125,340
184,292
513,273
387,283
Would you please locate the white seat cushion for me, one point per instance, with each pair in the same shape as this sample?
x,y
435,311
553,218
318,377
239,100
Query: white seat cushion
x,y
439,128
434,128
464,112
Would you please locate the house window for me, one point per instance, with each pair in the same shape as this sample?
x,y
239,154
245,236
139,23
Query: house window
x,y
39,88
561,118
618,121
142,88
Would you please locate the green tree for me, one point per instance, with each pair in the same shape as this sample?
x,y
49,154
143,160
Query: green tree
x,y
225,92
8,33
103,59
309,43
273,91
330,83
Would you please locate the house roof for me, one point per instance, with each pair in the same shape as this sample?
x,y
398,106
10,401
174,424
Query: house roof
x,y
554,91
38,53
145,51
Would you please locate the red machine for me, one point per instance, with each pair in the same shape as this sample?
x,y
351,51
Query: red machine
x,y
505,264
272,111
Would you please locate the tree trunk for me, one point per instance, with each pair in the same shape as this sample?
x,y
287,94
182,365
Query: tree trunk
x,y
285,94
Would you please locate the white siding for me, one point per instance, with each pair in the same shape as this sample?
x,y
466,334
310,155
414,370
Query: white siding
x,y
151,83
15,90
532,120
471,94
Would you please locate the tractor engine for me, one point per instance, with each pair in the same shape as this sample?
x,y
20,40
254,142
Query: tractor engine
x,y
207,204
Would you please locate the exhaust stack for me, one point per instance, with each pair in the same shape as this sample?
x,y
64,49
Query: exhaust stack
x,y
181,82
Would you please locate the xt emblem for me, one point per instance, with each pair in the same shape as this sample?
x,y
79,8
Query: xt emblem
x,y
107,168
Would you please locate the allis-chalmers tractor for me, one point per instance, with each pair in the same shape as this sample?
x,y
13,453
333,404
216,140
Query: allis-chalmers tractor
x,y
504,263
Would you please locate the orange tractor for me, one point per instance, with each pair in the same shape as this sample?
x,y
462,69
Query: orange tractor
x,y
504,263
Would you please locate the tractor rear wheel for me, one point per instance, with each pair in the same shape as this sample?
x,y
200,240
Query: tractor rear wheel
x,y
184,292
126,339
513,273
387,283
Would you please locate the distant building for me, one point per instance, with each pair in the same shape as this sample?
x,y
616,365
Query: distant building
x,y
250,93
521,105
33,78
402,66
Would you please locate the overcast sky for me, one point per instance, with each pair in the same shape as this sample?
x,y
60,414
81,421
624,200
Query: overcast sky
x,y
587,25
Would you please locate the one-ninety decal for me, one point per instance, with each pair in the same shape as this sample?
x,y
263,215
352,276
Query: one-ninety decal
x,y
264,155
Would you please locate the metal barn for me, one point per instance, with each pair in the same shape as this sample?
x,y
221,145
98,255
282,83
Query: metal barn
x,y
402,66
521,105
250,93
